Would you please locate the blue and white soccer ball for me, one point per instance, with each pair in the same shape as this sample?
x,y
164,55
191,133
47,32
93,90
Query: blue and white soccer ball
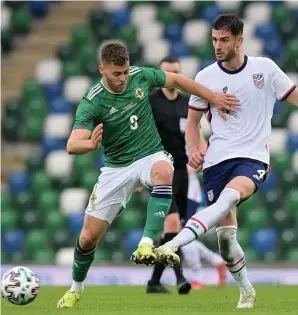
x,y
20,286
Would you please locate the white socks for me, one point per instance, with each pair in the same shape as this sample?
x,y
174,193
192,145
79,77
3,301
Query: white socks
x,y
146,240
233,256
206,218
77,286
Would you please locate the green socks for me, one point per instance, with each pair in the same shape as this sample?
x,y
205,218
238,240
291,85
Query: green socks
x,y
82,262
158,207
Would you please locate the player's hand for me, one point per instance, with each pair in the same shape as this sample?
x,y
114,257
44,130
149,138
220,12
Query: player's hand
x,y
224,101
196,159
139,189
96,136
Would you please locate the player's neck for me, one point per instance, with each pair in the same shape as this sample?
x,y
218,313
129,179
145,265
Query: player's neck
x,y
234,63
170,94
108,87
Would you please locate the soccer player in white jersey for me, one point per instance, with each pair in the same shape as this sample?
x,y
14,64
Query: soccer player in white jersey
x,y
237,158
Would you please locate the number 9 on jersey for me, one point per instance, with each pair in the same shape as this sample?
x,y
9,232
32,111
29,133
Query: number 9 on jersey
x,y
134,122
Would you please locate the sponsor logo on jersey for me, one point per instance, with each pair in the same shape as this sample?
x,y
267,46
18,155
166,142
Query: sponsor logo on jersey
x,y
113,110
160,214
258,80
210,195
140,93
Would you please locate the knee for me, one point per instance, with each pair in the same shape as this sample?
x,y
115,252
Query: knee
x,y
225,236
244,185
162,173
230,219
88,239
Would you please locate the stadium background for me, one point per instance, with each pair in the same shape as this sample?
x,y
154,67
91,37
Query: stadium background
x,y
49,58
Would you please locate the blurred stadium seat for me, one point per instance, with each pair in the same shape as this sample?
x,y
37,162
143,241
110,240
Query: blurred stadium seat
x,y
50,194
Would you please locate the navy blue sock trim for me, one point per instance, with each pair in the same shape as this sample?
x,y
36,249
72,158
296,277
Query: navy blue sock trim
x,y
84,252
193,231
238,269
165,196
162,191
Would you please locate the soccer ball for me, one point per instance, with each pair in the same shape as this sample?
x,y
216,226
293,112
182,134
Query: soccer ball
x,y
20,286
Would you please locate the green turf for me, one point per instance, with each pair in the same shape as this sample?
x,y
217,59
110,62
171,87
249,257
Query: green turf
x,y
112,300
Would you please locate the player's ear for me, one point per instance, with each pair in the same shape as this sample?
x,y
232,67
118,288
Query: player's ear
x,y
239,40
101,69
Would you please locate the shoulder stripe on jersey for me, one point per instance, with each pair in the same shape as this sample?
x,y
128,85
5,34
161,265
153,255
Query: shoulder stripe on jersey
x,y
94,93
135,72
132,68
288,93
201,109
95,87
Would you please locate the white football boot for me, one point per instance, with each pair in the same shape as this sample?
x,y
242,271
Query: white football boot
x,y
247,299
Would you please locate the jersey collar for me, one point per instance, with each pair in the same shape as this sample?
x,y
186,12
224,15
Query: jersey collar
x,y
233,71
110,90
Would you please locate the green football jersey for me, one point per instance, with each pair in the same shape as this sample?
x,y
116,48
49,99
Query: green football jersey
x,y
129,131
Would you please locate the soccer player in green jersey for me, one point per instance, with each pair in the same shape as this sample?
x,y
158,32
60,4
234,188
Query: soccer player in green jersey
x,y
116,113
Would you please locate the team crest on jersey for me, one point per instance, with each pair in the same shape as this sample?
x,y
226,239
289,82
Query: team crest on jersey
x,y
258,80
210,195
225,89
140,93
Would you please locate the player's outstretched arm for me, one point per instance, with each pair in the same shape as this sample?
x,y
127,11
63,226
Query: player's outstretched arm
x,y
203,142
293,98
193,139
80,141
219,100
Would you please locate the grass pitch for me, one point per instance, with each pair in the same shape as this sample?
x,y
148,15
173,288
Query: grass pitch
x,y
118,300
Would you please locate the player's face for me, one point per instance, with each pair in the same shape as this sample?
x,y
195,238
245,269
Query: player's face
x,y
170,67
115,76
225,44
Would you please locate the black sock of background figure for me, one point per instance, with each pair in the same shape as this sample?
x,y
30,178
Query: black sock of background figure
x,y
178,268
158,268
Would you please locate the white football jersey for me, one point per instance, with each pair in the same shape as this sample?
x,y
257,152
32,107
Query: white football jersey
x,y
257,84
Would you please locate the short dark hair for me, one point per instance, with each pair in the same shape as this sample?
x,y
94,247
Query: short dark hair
x,y
114,53
169,59
228,22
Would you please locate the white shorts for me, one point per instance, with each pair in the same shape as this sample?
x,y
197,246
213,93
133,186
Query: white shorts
x,y
116,184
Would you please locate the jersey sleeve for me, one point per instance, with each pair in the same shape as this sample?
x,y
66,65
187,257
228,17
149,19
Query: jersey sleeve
x,y
196,102
85,116
281,84
156,78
